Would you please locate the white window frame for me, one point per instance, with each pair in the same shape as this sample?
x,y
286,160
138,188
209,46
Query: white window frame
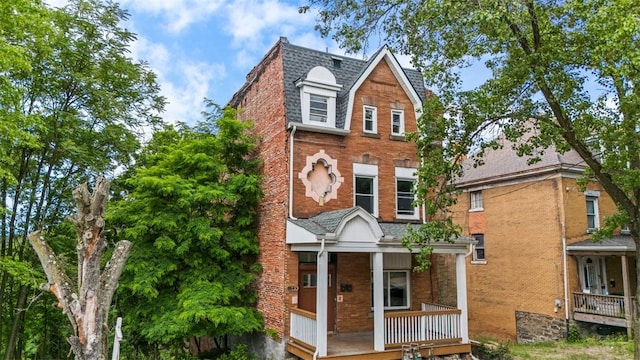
x,y
400,114
476,200
386,275
318,114
368,171
476,259
406,174
593,275
592,196
374,119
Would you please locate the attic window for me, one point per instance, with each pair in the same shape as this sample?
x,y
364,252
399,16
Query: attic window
x,y
337,62
318,92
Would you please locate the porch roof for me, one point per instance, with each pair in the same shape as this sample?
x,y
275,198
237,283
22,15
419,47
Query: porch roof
x,y
356,230
615,244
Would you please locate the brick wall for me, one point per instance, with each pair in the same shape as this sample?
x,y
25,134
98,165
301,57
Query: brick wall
x,y
522,226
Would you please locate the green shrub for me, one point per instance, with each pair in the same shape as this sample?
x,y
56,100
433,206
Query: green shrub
x,y
574,334
241,352
492,351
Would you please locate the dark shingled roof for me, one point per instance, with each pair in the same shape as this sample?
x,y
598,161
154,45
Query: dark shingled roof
x,y
328,222
616,243
298,61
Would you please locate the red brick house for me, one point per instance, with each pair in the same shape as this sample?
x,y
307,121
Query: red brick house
x,y
534,270
337,201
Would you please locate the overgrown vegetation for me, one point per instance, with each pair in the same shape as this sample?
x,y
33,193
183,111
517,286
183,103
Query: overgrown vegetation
x,y
576,348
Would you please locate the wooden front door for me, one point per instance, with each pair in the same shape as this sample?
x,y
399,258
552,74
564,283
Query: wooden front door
x,y
308,282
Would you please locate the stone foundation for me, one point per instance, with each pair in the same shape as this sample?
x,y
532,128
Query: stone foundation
x,y
531,327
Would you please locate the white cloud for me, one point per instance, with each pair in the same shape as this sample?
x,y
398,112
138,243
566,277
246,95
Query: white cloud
x,y
179,14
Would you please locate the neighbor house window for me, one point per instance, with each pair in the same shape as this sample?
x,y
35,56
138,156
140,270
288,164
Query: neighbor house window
x,y
370,124
366,187
476,200
318,108
395,289
478,248
397,122
593,221
405,197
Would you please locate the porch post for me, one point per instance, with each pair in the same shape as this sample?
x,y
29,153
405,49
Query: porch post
x,y
628,304
321,302
461,286
378,302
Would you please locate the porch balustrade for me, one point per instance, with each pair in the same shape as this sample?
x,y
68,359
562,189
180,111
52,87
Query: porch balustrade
x,y
434,324
303,327
604,305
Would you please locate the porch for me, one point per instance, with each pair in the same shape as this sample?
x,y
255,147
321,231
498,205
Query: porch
x,y
600,309
435,330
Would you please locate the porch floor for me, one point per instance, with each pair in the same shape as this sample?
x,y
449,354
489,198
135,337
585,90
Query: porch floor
x,y
359,346
350,343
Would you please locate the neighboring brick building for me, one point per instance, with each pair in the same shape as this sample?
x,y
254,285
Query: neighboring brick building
x,y
526,218
337,201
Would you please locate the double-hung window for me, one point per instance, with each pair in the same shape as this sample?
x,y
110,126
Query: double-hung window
x,y
396,278
593,218
318,108
365,186
370,120
405,197
475,198
478,248
397,122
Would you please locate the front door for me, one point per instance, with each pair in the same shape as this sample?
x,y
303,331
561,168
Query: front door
x,y
593,275
308,282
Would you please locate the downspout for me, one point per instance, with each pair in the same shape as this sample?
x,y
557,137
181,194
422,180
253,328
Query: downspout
x,y
293,132
315,354
565,277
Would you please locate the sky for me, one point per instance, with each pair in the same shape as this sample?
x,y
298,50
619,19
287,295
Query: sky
x,y
205,48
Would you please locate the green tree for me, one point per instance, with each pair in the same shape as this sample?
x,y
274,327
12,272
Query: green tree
x,y
72,104
565,72
190,208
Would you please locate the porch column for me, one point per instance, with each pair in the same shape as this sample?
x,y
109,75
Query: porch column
x,y
378,302
627,297
321,302
461,286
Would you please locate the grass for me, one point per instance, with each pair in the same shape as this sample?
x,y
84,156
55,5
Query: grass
x,y
584,349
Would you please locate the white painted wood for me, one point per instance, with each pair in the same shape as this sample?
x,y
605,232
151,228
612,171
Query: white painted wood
x,y
303,329
627,296
322,292
378,302
461,286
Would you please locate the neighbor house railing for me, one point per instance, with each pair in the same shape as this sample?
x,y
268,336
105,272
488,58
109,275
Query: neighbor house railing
x,y
434,324
605,305
303,327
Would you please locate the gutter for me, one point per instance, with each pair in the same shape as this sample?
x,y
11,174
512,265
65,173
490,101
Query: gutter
x,y
293,132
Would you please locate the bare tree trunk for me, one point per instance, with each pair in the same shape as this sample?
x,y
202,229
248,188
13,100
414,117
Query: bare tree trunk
x,y
86,304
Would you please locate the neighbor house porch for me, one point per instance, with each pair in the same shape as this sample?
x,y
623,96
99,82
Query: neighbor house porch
x,y
606,272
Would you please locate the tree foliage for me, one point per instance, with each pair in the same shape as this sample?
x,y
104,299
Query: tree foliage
x,y
72,107
190,209
563,73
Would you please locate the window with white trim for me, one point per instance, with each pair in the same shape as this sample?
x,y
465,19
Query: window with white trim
x,y
593,221
370,119
397,122
478,248
475,202
396,281
405,196
318,91
365,187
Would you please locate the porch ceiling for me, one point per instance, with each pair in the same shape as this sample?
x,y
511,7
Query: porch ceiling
x,y
621,244
355,230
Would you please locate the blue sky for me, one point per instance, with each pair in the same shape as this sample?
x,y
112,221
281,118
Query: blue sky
x,y
205,48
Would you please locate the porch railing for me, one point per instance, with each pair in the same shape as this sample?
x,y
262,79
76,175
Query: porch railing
x,y
434,324
604,305
303,327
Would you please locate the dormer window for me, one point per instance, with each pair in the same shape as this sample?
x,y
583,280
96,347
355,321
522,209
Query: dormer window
x,y
318,92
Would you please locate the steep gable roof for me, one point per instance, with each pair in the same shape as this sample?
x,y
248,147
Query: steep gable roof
x,y
298,61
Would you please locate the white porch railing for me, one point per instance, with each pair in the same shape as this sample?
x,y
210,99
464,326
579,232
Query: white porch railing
x,y
604,305
303,327
434,324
